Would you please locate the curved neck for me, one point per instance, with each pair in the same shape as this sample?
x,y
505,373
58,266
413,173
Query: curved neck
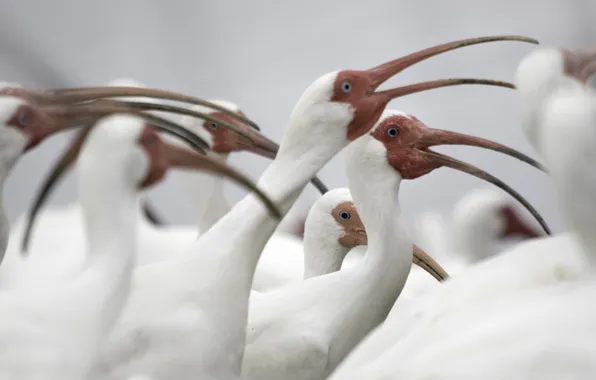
x,y
8,159
576,191
110,212
249,224
322,253
388,260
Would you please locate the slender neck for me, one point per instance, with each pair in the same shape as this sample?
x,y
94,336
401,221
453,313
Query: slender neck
x,y
110,213
8,158
575,193
322,253
249,224
4,223
386,265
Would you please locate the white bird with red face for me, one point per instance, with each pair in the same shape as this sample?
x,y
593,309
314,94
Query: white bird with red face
x,y
513,293
39,322
549,328
60,229
293,332
22,127
480,222
191,313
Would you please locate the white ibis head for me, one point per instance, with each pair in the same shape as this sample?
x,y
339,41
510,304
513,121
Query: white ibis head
x,y
341,106
24,125
403,142
544,71
488,215
334,215
224,141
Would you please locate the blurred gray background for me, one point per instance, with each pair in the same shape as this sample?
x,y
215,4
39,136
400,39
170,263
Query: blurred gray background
x,y
263,54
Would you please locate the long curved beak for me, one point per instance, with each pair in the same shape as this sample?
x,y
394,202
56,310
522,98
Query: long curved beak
x,y
581,63
432,137
262,146
186,159
387,70
436,160
380,74
65,117
424,261
83,94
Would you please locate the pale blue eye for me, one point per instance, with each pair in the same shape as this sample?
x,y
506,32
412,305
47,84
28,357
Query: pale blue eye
x,y
346,86
392,132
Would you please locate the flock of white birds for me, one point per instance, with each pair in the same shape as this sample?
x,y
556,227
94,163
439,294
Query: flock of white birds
x,y
100,290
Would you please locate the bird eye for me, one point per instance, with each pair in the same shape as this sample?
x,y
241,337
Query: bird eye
x,y
213,125
23,117
392,132
345,215
346,86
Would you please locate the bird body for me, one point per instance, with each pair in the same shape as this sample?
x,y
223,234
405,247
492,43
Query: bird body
x,y
534,319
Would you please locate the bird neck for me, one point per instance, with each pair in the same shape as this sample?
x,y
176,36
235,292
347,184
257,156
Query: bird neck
x,y
322,253
577,194
110,209
240,236
4,224
11,147
388,259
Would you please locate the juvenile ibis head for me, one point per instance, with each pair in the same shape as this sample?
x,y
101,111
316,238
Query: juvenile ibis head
x,y
405,143
348,229
224,141
24,125
334,215
544,71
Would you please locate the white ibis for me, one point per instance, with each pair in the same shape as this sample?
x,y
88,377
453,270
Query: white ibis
x,y
60,228
480,221
541,332
53,327
304,331
22,127
506,285
191,313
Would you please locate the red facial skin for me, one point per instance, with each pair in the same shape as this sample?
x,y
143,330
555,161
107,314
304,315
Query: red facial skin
x,y
402,154
367,105
30,121
158,163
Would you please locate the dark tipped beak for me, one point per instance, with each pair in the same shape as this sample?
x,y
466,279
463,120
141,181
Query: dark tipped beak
x,y
432,137
581,63
253,141
424,261
184,158
383,72
83,94
515,226
435,160
380,74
